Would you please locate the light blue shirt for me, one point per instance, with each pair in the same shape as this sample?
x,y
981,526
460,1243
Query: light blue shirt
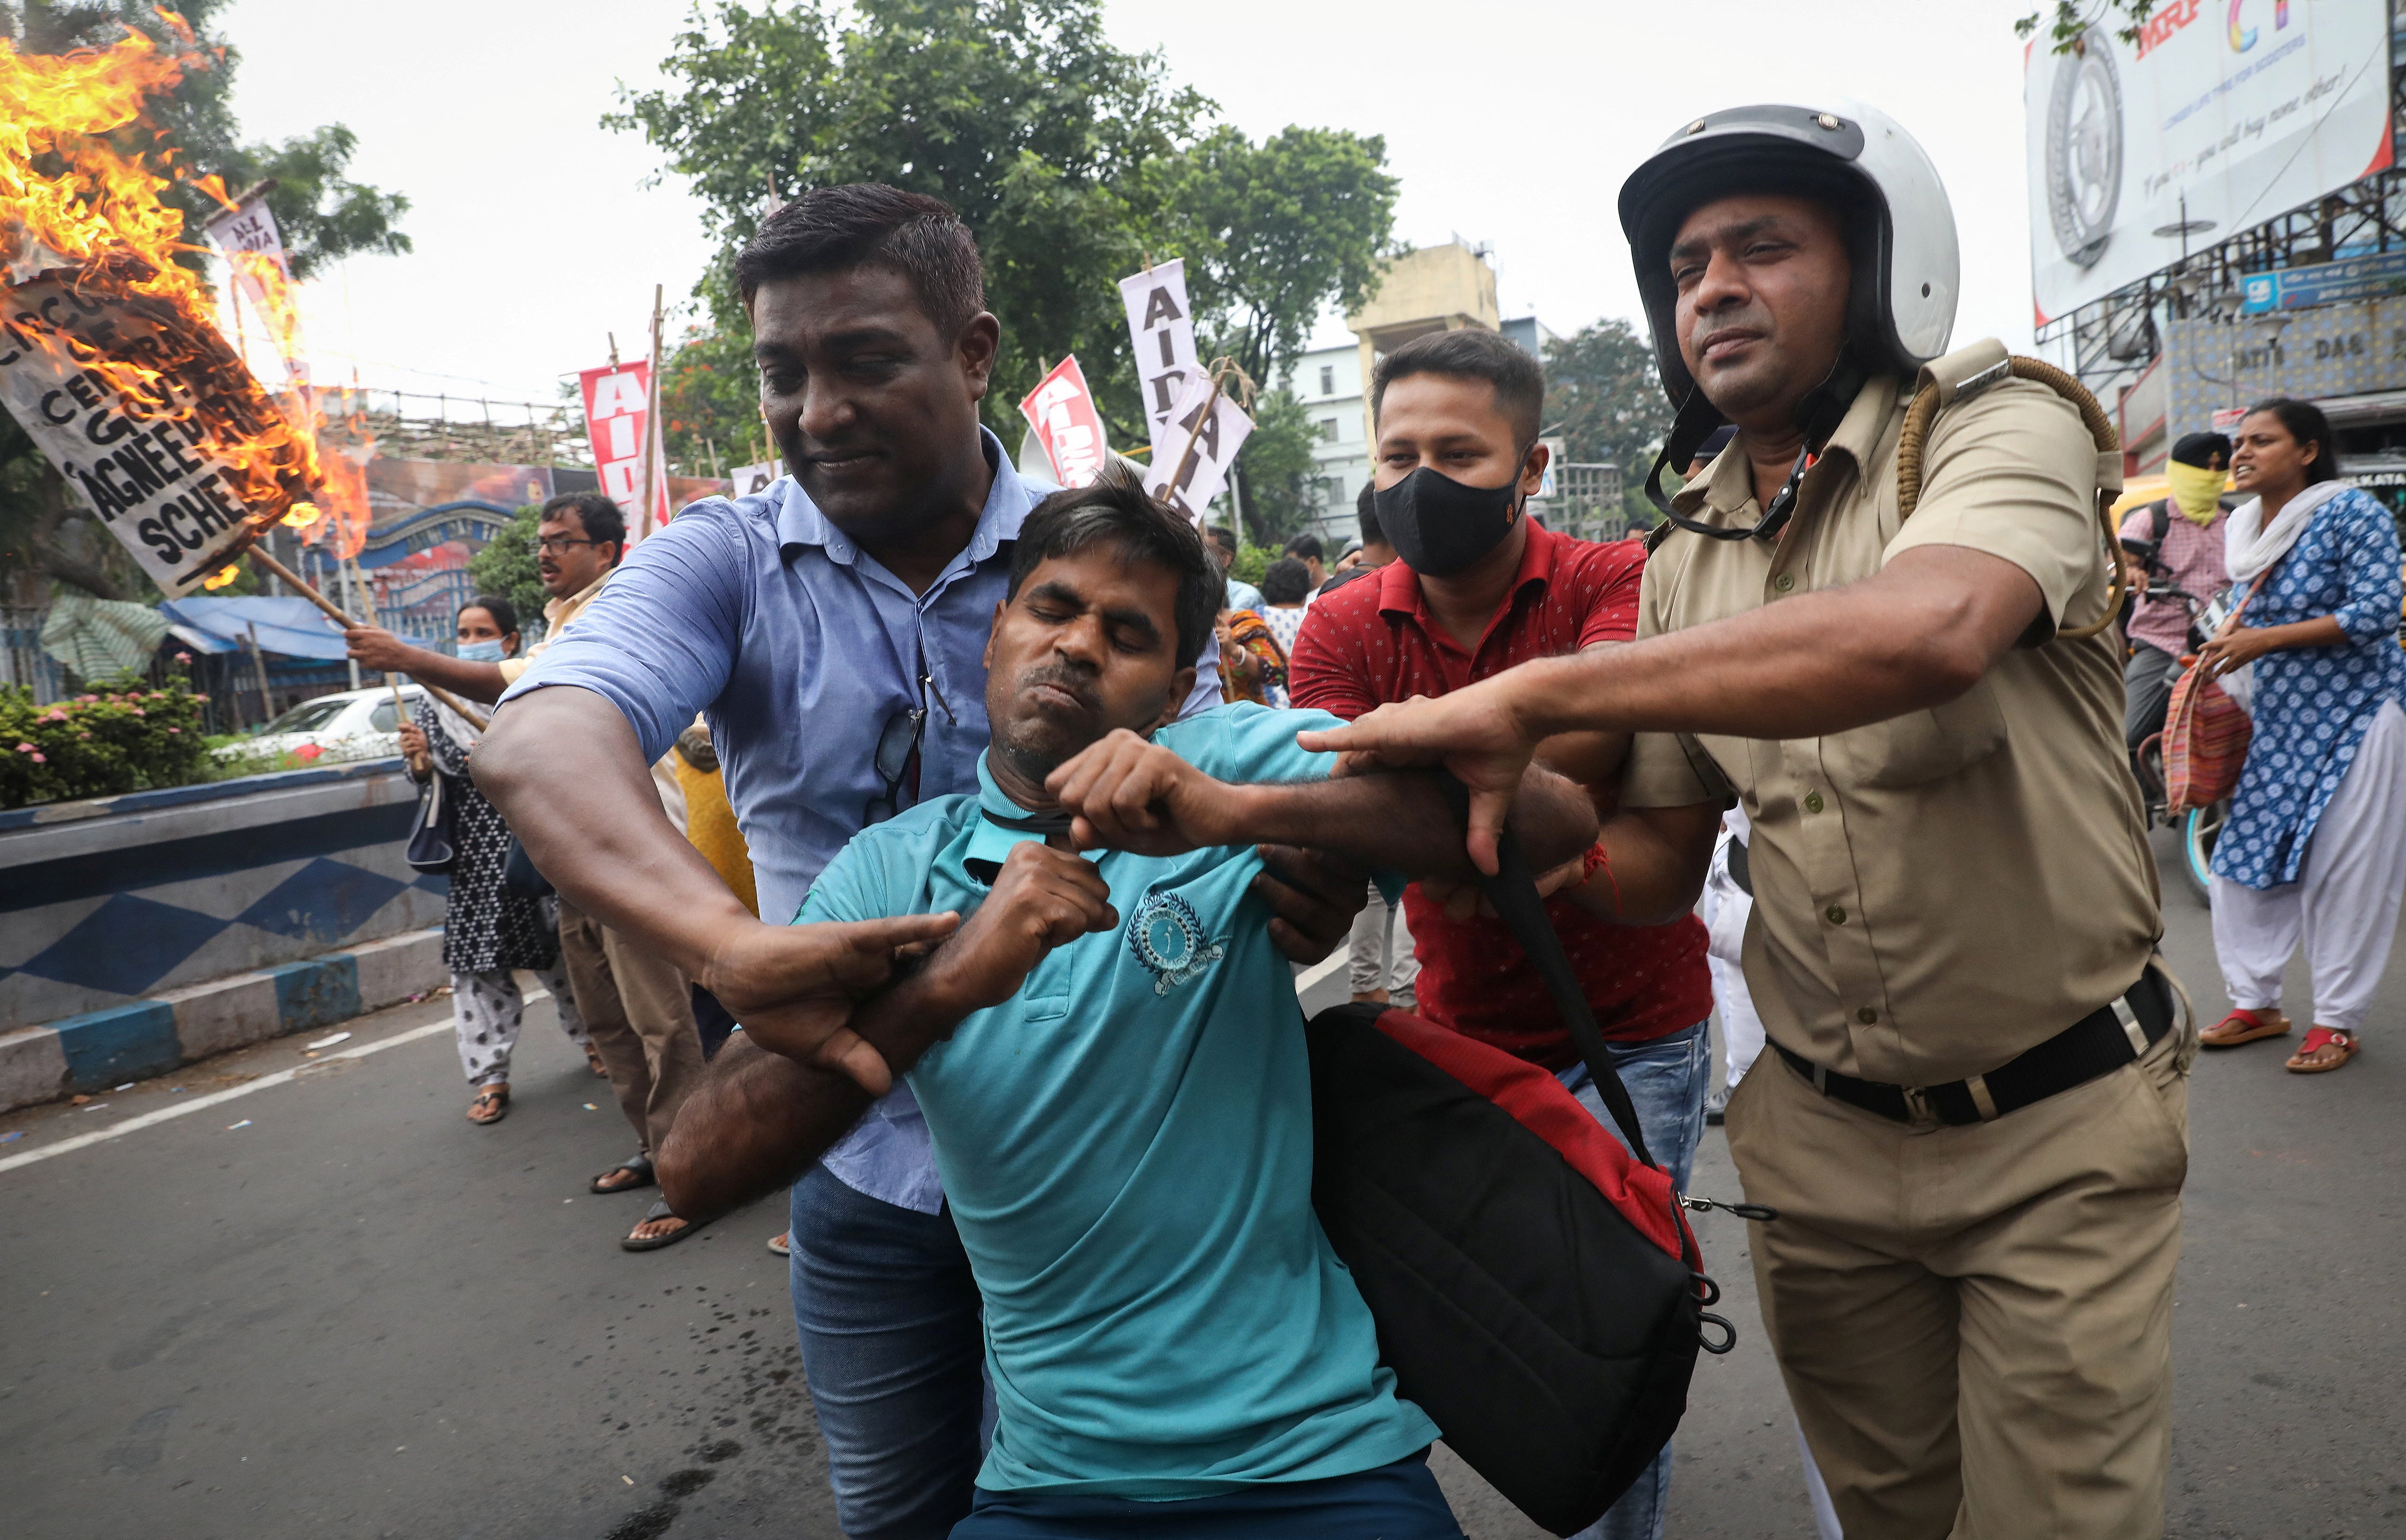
x,y
1126,1144
1244,595
799,647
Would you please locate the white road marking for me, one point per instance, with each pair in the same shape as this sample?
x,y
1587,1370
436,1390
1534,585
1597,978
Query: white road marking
x,y
216,1098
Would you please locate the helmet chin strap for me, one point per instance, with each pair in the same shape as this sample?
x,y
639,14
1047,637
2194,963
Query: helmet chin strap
x,y
1817,416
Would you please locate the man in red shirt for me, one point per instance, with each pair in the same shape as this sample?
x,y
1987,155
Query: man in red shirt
x,y
1478,587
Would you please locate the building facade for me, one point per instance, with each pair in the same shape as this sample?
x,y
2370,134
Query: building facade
x,y
1327,383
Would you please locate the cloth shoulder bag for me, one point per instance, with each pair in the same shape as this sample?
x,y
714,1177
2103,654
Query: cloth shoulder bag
x,y
434,836
1536,1288
2207,730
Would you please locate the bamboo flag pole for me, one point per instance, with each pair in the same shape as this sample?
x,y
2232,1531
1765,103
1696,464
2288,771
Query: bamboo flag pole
x,y
652,420
334,612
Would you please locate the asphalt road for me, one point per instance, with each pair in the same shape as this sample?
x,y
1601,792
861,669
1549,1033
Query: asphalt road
x,y
355,1314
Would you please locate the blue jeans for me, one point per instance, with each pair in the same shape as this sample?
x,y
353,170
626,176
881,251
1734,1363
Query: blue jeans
x,y
894,1349
1397,1502
1667,1079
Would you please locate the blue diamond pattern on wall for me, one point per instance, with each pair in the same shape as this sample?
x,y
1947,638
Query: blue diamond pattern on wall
x,y
126,945
325,901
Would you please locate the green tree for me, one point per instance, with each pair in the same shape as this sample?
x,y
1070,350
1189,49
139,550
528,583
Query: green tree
x,y
505,569
1603,396
1282,483
2073,18
1072,161
324,217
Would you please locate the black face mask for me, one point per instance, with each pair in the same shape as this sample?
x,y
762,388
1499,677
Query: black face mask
x,y
1441,528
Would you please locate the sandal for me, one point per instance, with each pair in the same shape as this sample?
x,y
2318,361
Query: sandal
x,y
2303,1062
637,1166
781,1245
653,1243
493,1104
2245,1027
593,1061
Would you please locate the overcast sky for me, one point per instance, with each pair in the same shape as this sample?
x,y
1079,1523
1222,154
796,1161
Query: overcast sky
x,y
1511,122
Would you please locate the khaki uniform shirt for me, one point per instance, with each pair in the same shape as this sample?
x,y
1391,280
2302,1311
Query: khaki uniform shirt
x,y
1936,893
557,616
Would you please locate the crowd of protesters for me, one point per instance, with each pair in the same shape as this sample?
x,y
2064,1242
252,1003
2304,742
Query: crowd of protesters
x,y
1053,1258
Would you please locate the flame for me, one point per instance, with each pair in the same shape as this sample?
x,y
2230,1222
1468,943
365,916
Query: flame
x,y
80,212
220,579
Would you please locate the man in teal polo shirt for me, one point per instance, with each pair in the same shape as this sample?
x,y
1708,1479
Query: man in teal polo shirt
x,y
1110,1058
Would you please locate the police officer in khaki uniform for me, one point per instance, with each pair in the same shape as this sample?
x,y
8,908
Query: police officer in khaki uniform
x,y
1974,1120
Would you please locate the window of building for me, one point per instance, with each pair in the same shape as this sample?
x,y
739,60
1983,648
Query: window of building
x,y
1327,380
1329,430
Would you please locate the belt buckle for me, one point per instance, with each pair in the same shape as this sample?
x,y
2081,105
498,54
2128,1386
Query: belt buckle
x,y
1919,1111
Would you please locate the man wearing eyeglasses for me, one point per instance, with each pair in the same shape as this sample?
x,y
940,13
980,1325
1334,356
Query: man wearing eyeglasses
x,y
832,629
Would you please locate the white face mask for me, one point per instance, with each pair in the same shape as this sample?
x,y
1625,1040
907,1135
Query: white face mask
x,y
487,651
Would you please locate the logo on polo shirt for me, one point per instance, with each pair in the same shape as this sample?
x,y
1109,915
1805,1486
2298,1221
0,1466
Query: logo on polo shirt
x,y
1167,937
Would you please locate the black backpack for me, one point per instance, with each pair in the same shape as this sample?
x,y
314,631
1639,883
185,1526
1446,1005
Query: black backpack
x,y
1537,1292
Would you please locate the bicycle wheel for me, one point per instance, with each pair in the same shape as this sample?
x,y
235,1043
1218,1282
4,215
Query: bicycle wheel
x,y
2199,827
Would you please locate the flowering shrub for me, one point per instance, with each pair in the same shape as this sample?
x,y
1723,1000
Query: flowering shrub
x,y
126,737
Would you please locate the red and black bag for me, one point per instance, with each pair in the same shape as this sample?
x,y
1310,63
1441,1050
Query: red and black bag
x,y
1537,1290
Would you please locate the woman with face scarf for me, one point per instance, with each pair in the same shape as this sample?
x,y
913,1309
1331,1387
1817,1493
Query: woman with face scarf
x,y
487,929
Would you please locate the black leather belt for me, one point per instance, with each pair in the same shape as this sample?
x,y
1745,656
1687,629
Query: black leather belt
x,y
2098,1043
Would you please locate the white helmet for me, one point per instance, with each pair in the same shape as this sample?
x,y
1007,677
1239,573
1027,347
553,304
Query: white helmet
x,y
1900,227
1900,234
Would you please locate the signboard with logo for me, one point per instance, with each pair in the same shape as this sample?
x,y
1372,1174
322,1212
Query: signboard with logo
x,y
2220,117
1062,412
2373,277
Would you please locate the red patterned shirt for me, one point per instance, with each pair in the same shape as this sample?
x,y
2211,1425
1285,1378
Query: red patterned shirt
x,y
1373,641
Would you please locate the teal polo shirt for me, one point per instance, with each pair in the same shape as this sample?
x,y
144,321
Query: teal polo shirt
x,y
1126,1149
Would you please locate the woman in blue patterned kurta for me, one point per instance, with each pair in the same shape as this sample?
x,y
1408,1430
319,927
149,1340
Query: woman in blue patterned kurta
x,y
2315,846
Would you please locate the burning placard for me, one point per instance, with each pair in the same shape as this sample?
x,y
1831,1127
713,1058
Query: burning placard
x,y
1161,332
1206,431
246,233
1062,411
108,357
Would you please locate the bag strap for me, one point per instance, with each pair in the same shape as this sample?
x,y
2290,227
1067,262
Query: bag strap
x,y
1513,891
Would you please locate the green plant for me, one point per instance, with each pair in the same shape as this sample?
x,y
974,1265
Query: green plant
x,y
124,737
505,567
1250,563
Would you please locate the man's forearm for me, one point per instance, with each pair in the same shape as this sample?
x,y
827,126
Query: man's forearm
x,y
1655,861
563,766
754,1124
1401,822
1917,635
480,682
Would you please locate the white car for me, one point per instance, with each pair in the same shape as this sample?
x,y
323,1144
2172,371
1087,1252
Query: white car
x,y
346,725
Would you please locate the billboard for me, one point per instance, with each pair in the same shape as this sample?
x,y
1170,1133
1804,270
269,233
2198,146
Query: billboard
x,y
2348,349
2224,114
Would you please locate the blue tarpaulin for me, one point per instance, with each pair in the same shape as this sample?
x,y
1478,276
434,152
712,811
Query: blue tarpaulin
x,y
292,627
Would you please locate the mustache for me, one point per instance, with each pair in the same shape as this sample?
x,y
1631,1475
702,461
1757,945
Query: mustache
x,y
1076,681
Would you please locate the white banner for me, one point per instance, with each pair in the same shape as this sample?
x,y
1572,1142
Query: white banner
x,y
756,478
2219,117
185,480
1161,332
1198,475
254,251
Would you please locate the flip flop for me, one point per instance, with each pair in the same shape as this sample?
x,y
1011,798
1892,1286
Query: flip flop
x,y
593,1061
2321,1037
495,1096
658,1210
639,1164
2244,1026
780,1244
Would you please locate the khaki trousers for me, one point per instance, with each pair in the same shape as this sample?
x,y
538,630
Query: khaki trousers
x,y
1976,1323
641,1020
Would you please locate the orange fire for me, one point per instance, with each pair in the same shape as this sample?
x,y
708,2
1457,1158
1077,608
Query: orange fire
x,y
81,224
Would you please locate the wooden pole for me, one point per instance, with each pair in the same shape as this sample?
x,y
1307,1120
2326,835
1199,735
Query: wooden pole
x,y
652,420
259,661
332,613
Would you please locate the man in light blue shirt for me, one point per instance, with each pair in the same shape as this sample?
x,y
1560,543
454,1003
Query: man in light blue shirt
x,y
1110,1058
832,629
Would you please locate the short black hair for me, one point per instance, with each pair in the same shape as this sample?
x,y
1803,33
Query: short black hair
x,y
504,613
1286,581
868,224
1307,547
596,515
1224,536
1477,354
2201,451
2306,423
1116,507
1365,507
